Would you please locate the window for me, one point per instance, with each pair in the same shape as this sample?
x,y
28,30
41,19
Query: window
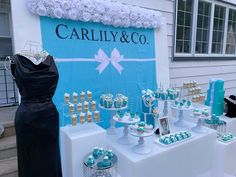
x,y
210,34
5,30
231,33
218,30
184,26
203,26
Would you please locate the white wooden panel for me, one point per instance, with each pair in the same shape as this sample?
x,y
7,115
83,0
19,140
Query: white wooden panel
x,y
170,29
204,79
198,63
169,52
202,71
229,92
162,5
170,41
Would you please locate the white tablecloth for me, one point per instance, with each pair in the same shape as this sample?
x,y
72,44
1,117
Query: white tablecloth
x,y
187,159
76,142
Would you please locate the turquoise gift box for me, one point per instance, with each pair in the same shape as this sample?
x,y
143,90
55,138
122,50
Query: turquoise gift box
x,y
215,96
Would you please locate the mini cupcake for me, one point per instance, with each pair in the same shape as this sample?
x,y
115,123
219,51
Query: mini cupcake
x,y
97,116
79,107
89,116
71,108
82,96
82,118
141,124
74,119
67,98
86,106
89,94
93,103
140,130
75,97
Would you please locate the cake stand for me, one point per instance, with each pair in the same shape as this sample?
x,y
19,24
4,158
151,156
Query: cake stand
x,y
199,127
180,122
125,139
141,147
112,129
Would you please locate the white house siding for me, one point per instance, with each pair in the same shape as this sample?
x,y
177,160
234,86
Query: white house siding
x,y
200,71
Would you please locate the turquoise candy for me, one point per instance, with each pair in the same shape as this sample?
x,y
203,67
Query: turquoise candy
x,y
184,136
101,152
164,96
141,124
132,115
106,162
162,139
173,138
188,134
95,152
110,154
176,103
189,103
90,161
167,141
178,137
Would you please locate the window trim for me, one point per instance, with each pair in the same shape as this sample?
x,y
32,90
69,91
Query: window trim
x,y
209,56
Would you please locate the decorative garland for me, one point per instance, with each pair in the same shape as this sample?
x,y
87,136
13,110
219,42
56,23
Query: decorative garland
x,y
104,11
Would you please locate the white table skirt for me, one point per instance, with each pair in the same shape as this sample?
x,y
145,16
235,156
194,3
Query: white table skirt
x,y
76,142
187,159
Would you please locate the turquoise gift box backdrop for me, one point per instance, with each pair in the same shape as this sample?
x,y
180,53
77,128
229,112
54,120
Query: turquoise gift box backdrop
x,y
100,58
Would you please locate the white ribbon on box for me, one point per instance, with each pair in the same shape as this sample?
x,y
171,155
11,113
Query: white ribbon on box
x,y
104,60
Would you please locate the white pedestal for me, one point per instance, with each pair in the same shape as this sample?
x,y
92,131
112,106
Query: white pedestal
x,y
187,159
230,124
76,142
225,159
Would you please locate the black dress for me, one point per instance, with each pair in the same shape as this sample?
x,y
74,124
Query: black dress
x,y
37,119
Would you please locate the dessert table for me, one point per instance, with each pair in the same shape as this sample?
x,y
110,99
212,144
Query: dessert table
x,y
185,159
76,142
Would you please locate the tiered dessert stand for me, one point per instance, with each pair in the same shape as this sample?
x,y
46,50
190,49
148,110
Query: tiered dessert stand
x,y
126,121
112,129
141,147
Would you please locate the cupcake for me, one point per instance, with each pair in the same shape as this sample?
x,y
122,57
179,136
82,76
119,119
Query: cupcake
x,y
141,124
67,98
79,107
89,94
86,106
82,96
97,116
74,120
89,116
93,103
140,130
71,108
75,97
82,118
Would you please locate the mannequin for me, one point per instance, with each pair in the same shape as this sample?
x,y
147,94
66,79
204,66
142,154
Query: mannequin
x,y
36,119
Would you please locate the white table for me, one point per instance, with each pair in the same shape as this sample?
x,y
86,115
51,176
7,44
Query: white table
x,y
187,159
76,142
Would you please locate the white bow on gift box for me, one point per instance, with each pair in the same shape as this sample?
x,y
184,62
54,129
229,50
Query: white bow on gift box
x,y
116,57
